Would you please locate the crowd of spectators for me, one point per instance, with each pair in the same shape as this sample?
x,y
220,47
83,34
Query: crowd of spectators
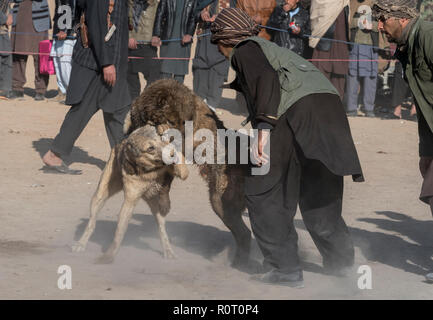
x,y
338,36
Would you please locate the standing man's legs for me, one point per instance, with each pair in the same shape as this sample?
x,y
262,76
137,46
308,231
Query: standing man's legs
x,y
426,169
152,72
41,80
271,215
56,54
179,78
133,82
19,72
73,125
114,125
352,94
339,82
6,73
200,82
216,80
370,85
321,198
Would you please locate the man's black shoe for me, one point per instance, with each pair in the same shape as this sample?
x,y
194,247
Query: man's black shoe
x,y
15,95
39,97
352,113
293,279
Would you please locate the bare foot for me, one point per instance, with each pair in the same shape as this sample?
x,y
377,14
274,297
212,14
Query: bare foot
x,y
397,111
50,159
413,110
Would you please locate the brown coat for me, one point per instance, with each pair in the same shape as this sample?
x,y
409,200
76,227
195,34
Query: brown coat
x,y
260,11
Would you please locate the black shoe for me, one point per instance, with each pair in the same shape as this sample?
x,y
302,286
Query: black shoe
x,y
352,113
370,114
39,97
15,95
275,277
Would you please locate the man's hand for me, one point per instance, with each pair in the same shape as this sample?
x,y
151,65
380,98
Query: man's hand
x,y
61,36
424,164
259,155
205,16
367,25
110,75
132,44
9,20
186,39
156,42
295,29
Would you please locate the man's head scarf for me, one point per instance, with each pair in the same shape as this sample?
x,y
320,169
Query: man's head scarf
x,y
399,9
232,26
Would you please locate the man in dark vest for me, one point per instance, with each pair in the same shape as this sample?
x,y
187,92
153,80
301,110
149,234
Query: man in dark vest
x,y
399,20
311,149
98,78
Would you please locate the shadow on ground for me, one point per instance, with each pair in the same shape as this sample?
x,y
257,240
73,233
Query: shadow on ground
x,y
78,155
409,248
206,241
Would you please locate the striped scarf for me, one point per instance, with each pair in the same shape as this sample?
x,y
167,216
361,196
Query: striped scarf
x,y
399,9
232,26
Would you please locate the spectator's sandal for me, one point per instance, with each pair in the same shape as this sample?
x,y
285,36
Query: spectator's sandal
x,y
62,169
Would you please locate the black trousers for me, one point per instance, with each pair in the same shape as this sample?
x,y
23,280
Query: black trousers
x,y
319,194
79,116
149,67
207,84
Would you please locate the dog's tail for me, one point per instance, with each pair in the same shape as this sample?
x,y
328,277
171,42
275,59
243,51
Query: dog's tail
x,y
127,124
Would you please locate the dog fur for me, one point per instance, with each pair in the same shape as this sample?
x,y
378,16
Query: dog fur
x,y
167,103
136,166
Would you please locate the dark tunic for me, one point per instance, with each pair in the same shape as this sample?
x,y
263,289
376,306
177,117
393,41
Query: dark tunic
x,y
24,37
207,55
318,121
338,50
175,49
88,63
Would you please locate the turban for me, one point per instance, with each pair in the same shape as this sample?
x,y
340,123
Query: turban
x,y
232,26
395,9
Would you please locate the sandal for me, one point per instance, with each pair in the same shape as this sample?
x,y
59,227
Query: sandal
x,y
62,169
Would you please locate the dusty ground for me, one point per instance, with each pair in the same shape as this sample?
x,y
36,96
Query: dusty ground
x,y
42,214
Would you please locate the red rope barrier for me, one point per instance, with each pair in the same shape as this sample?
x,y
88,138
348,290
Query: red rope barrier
x,y
174,58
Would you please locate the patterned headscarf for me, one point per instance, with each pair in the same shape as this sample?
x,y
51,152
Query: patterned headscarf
x,y
395,9
232,26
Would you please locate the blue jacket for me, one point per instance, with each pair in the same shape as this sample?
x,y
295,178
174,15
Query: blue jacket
x,y
40,14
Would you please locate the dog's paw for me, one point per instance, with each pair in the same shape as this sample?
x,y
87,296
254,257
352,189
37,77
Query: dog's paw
x,y
162,128
78,247
105,259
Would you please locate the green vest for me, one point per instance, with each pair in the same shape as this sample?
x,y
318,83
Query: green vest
x,y
298,77
419,67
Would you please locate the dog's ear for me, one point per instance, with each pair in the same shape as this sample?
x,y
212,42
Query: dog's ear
x,y
127,160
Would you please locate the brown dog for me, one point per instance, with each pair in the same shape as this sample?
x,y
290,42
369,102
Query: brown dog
x,y
168,103
141,172
137,167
